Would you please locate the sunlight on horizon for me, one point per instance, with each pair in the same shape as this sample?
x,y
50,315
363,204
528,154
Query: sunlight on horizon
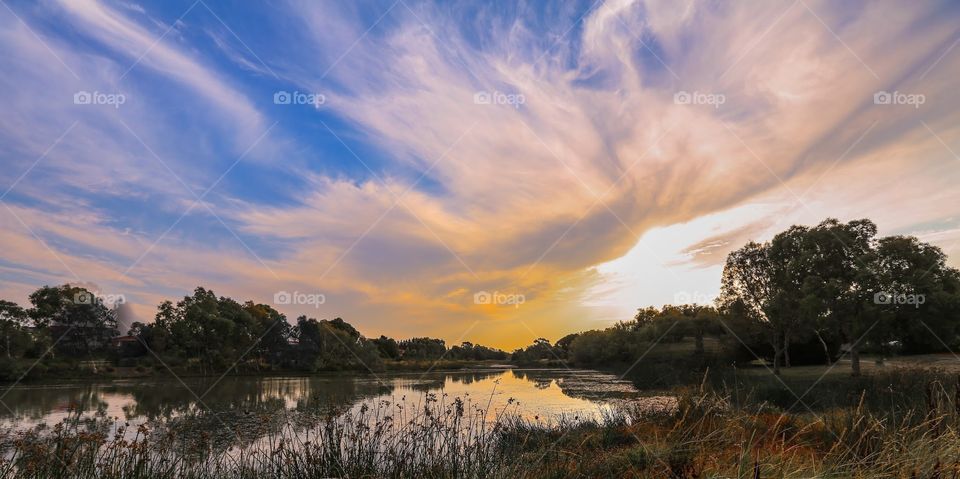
x,y
522,174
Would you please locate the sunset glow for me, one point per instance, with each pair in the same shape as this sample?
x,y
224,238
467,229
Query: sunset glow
x,y
490,173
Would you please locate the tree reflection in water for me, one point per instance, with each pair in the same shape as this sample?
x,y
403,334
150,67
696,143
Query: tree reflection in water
x,y
240,411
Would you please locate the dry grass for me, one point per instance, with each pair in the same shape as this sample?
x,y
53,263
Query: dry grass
x,y
705,435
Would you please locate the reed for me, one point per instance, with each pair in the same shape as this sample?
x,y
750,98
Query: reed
x,y
706,432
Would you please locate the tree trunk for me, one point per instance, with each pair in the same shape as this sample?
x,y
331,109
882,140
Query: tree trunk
x,y
776,360
826,349
786,350
855,359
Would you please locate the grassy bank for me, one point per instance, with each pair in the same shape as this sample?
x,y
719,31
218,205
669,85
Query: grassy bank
x,y
898,423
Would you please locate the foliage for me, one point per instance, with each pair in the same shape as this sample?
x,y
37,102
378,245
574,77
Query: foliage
x,y
76,320
475,352
200,333
626,341
540,350
422,348
332,345
388,347
15,338
808,295
837,283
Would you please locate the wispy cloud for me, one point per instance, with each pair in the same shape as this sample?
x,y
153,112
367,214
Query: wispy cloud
x,y
559,151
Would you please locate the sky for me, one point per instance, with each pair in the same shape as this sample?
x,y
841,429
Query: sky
x,y
476,171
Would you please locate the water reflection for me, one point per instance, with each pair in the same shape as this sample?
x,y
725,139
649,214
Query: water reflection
x,y
246,408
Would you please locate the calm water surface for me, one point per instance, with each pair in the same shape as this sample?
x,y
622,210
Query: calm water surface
x,y
541,395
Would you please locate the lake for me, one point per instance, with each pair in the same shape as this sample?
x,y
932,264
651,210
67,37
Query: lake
x,y
240,406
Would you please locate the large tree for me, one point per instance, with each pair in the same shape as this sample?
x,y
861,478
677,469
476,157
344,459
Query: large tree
x,y
789,267
333,345
195,328
837,281
748,290
272,329
78,320
915,296
841,261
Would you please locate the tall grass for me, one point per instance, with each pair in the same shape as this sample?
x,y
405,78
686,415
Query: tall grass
x,y
705,432
434,437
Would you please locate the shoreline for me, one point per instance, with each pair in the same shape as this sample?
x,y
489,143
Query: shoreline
x,y
119,373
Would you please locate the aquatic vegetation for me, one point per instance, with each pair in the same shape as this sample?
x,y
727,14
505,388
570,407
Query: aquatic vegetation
x,y
699,433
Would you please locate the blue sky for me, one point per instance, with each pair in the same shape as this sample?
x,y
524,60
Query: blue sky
x,y
529,148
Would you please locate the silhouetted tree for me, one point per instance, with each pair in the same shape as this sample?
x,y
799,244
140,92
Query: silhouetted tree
x,y
76,319
13,319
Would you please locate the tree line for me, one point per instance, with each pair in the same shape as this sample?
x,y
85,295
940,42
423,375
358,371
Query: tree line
x,y
809,295
201,333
